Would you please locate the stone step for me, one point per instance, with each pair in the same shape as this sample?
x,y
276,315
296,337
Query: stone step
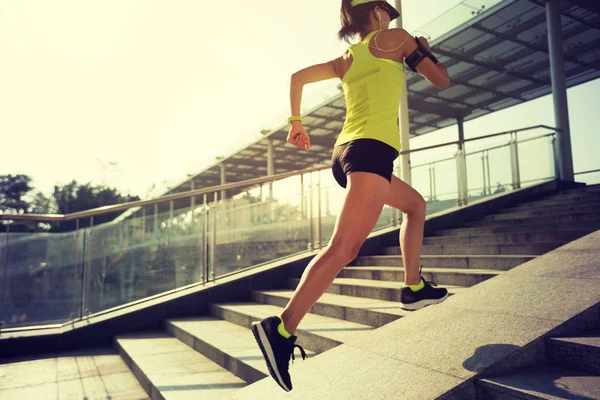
x,y
501,238
487,229
585,192
544,382
539,205
496,262
316,332
582,192
169,369
581,353
381,290
544,213
441,276
231,346
498,249
533,220
372,312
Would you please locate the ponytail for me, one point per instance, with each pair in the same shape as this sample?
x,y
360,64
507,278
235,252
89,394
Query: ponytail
x,y
354,19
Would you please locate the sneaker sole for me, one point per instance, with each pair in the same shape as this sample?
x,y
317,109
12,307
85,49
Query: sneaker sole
x,y
265,347
422,303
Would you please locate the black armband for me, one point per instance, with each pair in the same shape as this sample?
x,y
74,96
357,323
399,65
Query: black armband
x,y
418,55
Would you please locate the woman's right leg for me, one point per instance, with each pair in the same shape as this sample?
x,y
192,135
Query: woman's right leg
x,y
416,293
411,203
365,197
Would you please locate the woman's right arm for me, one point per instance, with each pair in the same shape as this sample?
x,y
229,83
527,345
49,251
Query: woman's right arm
x,y
436,74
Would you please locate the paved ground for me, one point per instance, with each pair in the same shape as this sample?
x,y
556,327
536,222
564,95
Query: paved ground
x,y
89,374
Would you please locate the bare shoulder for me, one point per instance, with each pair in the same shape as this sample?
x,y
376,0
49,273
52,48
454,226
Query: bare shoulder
x,y
392,38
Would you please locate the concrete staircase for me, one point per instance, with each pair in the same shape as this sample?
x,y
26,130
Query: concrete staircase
x,y
572,372
212,356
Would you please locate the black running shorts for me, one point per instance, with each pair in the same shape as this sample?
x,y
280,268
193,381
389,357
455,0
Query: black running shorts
x,y
362,155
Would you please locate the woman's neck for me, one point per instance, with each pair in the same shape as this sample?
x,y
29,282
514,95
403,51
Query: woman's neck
x,y
362,36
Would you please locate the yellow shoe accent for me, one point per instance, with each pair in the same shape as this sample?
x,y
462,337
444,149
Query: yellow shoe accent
x,y
416,288
282,331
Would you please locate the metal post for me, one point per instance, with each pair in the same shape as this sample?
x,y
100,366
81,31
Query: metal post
x,y
204,254
223,180
464,188
489,178
430,184
213,248
171,214
434,185
564,153
270,172
485,193
553,156
459,177
319,222
87,273
155,221
192,216
75,267
311,243
4,265
513,164
403,115
144,222
517,167
399,215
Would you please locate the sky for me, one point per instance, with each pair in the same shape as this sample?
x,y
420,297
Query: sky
x,y
131,93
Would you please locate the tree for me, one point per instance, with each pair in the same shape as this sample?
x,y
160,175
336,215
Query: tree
x,y
73,197
42,204
12,190
17,197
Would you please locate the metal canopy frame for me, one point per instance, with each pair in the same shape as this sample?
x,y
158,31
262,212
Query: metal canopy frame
x,y
496,60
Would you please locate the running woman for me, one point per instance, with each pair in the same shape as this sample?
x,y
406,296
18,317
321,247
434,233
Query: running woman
x,y
371,73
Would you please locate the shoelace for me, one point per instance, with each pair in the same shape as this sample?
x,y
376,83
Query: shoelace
x,y
430,283
426,282
302,352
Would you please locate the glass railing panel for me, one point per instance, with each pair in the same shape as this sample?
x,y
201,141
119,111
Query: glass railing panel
x,y
185,236
536,161
439,185
152,251
488,172
589,177
43,278
251,231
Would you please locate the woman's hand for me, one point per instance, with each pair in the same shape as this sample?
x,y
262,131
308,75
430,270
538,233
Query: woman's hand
x,y
298,136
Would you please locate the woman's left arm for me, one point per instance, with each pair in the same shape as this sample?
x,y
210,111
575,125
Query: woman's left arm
x,y
315,73
297,135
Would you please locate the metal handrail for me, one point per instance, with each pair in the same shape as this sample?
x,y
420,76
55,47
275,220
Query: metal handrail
x,y
228,186
480,138
480,151
587,172
140,203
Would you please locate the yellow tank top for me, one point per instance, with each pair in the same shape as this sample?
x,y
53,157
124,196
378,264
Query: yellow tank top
x,y
372,88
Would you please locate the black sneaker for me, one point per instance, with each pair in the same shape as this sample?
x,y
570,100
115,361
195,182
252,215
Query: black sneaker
x,y
276,350
430,294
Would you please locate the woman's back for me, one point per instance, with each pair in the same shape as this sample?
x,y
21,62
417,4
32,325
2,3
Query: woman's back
x,y
372,81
